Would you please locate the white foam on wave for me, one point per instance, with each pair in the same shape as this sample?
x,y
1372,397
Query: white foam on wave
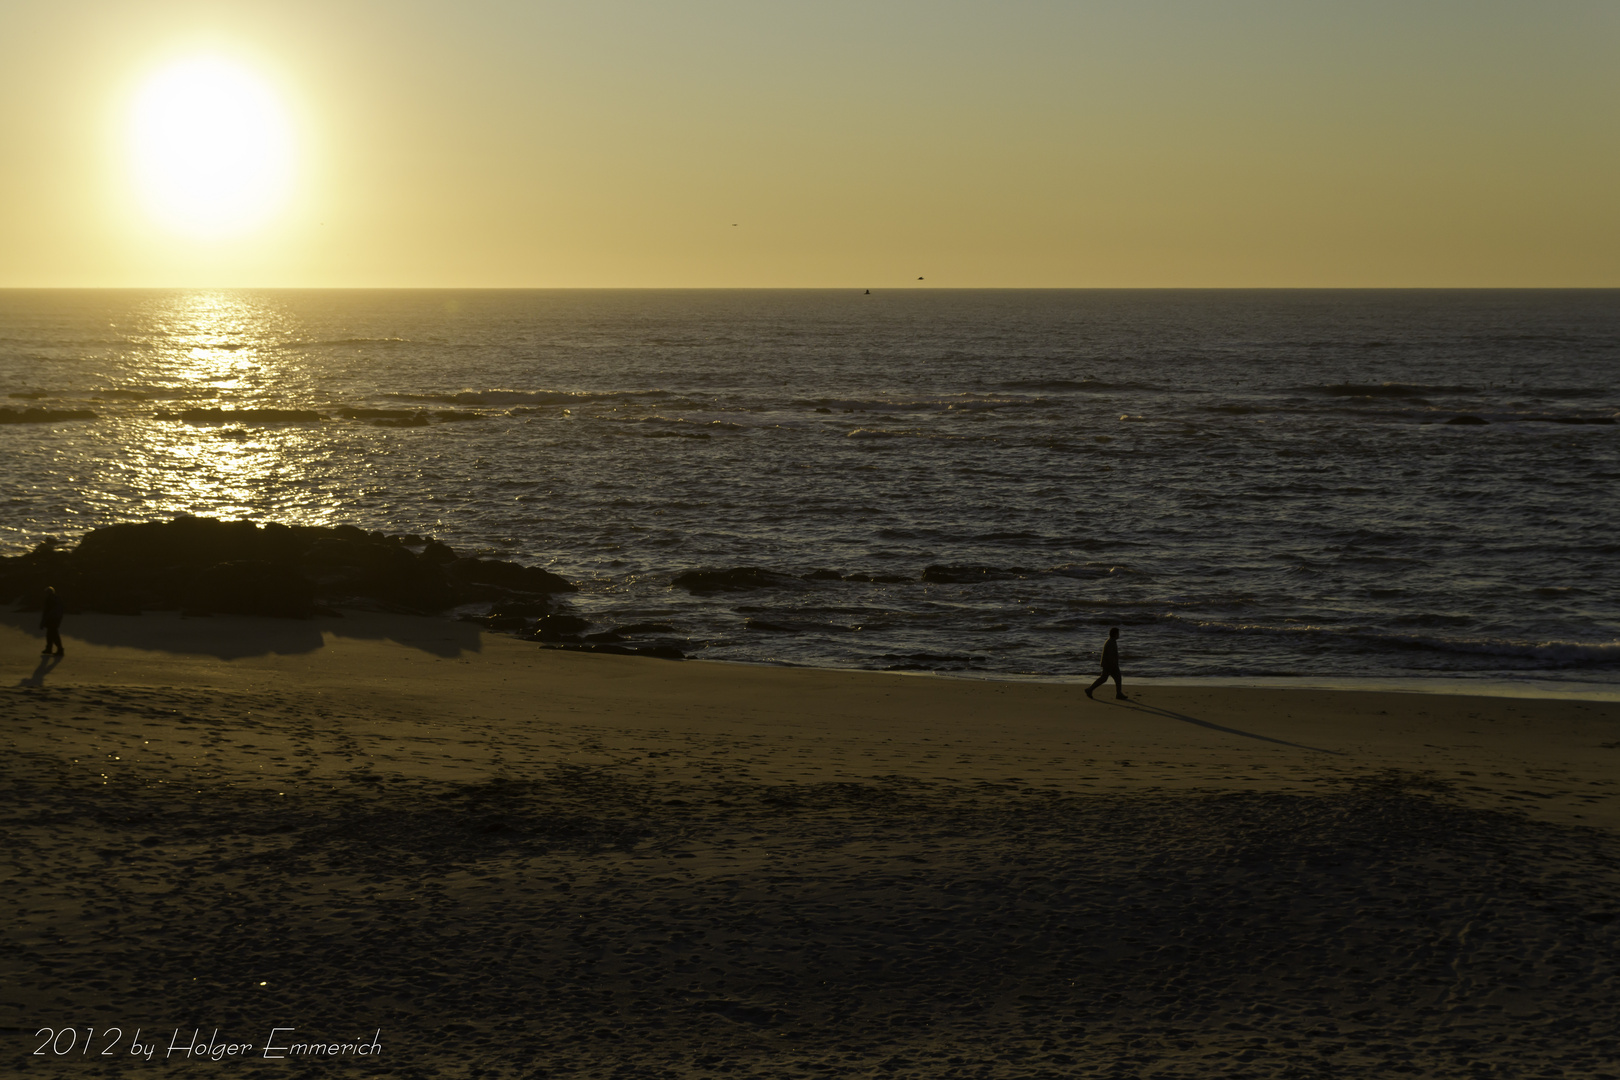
x,y
1549,652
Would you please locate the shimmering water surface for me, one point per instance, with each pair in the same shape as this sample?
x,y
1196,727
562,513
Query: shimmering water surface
x,y
1248,483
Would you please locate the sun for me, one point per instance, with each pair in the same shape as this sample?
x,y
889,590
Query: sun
x,y
211,147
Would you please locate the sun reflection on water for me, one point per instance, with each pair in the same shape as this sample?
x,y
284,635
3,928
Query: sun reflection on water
x,y
232,345
233,352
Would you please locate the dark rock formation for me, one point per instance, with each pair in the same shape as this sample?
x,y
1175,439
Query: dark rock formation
x,y
637,629
505,575
379,570
515,616
560,628
505,623
250,587
201,565
438,553
526,609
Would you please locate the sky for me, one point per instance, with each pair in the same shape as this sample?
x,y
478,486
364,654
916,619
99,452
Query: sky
x,y
621,143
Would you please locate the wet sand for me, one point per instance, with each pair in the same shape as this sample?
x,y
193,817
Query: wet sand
x,y
523,862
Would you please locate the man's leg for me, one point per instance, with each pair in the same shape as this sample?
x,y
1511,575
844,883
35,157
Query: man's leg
x,y
53,639
1100,680
1119,684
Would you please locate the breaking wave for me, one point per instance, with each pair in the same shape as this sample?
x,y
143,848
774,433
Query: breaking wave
x,y
1552,654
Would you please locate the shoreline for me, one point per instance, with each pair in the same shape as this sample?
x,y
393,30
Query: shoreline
x,y
442,666
1537,685
1498,685
504,858
208,565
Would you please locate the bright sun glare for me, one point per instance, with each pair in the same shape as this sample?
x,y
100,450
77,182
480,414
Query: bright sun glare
x,y
213,151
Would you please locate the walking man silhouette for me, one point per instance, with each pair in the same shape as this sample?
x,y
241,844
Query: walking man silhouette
x,y
50,620
1110,666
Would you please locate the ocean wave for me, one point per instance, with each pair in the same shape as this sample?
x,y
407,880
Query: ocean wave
x,y
1568,391
403,418
1091,570
1482,417
681,421
1543,653
231,416
156,393
796,626
874,579
1534,339
1387,390
746,578
970,575
498,398
1558,653
1238,409
43,416
734,579
1091,385
924,661
950,403
943,574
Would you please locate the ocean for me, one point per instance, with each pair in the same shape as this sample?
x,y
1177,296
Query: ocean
x,y
1366,484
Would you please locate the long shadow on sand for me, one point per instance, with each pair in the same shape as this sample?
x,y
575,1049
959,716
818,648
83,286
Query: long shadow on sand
x,y
235,637
1212,726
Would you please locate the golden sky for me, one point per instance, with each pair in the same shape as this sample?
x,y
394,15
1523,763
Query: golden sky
x,y
1038,144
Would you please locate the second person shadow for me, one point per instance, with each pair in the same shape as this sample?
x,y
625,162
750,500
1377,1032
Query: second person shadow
x,y
47,664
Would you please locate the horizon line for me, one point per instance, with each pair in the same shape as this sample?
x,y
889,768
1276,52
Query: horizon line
x,y
812,288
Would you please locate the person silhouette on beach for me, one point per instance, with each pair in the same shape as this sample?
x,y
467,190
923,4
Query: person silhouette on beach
x,y
50,619
1110,666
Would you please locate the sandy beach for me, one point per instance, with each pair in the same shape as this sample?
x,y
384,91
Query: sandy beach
x,y
515,861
